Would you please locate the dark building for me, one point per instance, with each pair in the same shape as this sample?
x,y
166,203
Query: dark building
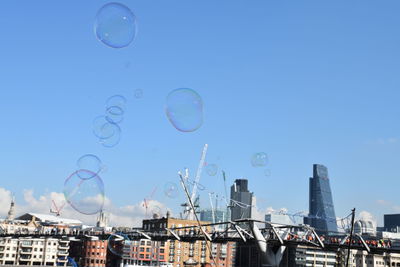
x,y
241,200
321,210
391,222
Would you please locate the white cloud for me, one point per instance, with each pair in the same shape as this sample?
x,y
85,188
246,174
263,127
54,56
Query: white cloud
x,y
367,216
129,215
386,141
5,199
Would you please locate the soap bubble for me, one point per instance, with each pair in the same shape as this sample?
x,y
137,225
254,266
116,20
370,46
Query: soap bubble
x,y
116,101
138,93
184,109
116,243
114,139
267,172
171,190
212,169
259,159
115,25
84,195
89,162
102,128
156,212
114,114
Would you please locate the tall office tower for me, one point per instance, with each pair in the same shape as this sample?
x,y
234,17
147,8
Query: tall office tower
x,y
241,200
322,212
391,222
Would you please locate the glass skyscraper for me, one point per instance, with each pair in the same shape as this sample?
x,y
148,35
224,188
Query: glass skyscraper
x,y
321,210
241,200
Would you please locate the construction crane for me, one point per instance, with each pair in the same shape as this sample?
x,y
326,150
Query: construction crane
x,y
146,199
185,179
57,210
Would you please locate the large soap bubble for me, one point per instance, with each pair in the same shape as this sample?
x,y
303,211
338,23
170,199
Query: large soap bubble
x,y
184,109
84,195
115,25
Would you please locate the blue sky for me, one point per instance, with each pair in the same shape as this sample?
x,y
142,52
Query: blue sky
x,y
304,81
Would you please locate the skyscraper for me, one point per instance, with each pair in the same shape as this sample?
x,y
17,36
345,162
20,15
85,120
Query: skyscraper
x,y
241,200
321,210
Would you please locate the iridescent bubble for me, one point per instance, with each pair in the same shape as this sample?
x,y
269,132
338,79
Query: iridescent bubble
x,y
259,159
171,190
138,93
184,109
84,195
116,243
212,169
102,128
156,212
116,101
115,25
89,162
114,114
112,140
267,172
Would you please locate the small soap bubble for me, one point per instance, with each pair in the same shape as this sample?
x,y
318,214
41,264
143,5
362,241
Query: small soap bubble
x,y
102,128
171,190
267,172
112,140
156,212
84,195
184,109
259,159
138,93
115,25
212,169
89,162
116,101
116,243
114,114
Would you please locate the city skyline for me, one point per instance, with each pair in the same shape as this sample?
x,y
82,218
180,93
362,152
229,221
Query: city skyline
x,y
305,83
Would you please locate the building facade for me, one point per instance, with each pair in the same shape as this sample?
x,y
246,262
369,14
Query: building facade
x,y
391,222
241,200
34,251
321,209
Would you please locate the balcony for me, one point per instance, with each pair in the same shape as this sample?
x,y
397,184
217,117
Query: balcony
x,y
63,253
25,251
26,244
62,259
25,258
63,246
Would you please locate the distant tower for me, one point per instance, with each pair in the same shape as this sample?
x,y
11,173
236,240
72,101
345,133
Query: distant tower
x,y
321,211
11,212
102,221
241,200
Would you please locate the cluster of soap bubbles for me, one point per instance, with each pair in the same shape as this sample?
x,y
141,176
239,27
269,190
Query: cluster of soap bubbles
x,y
84,189
116,243
184,109
115,25
106,127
